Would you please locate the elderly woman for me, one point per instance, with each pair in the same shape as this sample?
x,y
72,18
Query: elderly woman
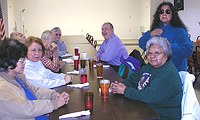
x,y
167,24
19,99
61,49
157,83
35,71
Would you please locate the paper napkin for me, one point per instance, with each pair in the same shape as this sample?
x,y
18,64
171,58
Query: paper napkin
x,y
66,55
78,85
75,114
105,66
73,72
68,60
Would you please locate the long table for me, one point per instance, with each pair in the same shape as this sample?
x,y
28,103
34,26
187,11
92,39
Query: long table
x,y
116,107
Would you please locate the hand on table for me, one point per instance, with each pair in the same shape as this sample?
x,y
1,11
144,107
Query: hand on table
x,y
62,99
117,88
96,58
156,32
68,78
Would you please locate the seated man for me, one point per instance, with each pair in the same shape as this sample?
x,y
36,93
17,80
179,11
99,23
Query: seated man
x,y
112,47
50,59
18,36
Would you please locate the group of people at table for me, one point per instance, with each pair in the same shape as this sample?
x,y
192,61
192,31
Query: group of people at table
x,y
28,69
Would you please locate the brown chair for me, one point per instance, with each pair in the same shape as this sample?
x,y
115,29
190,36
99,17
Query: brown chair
x,y
190,64
198,39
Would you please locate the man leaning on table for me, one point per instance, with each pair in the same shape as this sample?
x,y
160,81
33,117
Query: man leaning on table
x,y
112,47
50,59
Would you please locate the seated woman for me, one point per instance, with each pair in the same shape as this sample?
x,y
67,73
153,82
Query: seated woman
x,y
19,99
157,83
35,71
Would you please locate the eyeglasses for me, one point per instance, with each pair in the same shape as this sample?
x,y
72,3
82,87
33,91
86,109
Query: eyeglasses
x,y
58,34
35,51
149,54
162,11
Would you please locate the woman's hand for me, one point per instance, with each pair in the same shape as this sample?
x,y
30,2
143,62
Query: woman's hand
x,y
62,99
68,78
117,88
156,32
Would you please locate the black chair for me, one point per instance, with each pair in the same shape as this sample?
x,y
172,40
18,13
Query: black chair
x,y
196,60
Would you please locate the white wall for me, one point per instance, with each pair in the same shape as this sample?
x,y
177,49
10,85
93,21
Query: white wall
x,y
76,17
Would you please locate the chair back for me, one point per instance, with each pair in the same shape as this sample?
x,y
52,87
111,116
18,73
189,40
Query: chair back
x,y
198,39
128,66
189,105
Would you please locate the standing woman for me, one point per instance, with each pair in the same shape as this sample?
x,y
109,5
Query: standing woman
x,y
61,49
167,24
19,99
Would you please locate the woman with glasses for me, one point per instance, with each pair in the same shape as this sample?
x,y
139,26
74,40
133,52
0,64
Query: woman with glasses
x,y
35,71
19,99
167,24
61,49
157,83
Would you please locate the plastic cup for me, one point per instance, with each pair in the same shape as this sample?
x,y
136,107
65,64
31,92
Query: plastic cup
x,y
76,49
91,62
88,100
104,84
99,68
81,71
76,62
83,78
84,55
82,63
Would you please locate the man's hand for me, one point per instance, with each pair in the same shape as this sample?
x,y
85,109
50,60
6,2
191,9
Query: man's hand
x,y
53,47
96,58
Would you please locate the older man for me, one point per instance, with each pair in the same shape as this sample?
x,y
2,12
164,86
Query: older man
x,y
112,47
18,36
50,59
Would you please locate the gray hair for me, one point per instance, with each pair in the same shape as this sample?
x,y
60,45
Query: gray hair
x,y
162,42
55,29
12,34
111,26
46,35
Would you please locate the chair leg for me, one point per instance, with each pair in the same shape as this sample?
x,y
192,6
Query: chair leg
x,y
196,77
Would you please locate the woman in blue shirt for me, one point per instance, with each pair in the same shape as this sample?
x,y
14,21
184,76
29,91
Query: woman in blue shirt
x,y
167,24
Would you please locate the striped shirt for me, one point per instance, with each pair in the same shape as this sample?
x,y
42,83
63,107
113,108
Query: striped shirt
x,y
51,61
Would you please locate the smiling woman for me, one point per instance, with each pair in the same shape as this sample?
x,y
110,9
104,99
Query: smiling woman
x,y
35,71
157,83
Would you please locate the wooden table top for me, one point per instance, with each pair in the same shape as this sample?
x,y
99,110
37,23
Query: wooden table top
x,y
116,107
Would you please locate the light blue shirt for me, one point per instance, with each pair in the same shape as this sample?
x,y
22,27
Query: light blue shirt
x,y
111,51
61,49
39,76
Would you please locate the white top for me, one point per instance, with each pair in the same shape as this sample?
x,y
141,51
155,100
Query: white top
x,y
39,76
190,104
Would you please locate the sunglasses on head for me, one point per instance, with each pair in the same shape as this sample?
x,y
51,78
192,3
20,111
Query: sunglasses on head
x,y
162,11
58,34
